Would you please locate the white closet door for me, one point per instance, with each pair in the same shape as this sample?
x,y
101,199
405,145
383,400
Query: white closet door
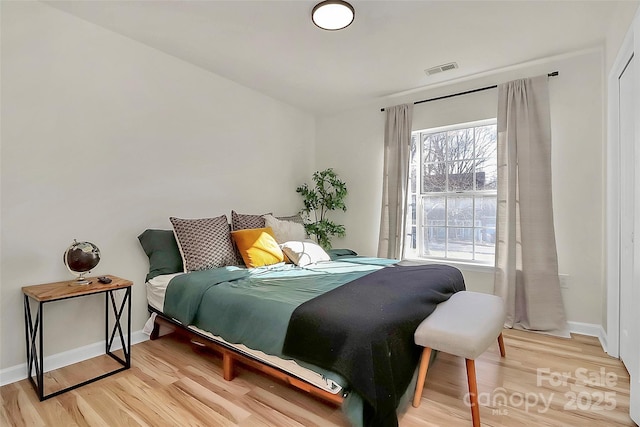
x,y
627,215
629,120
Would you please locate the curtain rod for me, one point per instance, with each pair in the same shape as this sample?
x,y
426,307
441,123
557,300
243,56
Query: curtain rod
x,y
553,74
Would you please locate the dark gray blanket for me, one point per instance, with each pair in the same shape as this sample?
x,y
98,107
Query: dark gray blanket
x,y
364,329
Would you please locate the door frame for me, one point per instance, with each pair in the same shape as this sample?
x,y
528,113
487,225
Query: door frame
x,y
625,54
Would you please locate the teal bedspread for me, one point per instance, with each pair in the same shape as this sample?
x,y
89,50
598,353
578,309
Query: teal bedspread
x,y
253,306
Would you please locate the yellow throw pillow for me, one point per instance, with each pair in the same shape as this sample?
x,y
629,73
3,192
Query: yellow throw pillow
x,y
257,246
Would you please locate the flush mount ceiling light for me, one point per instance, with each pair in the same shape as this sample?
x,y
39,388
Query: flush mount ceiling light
x,y
333,15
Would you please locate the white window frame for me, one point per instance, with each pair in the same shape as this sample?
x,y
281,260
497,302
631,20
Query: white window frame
x,y
420,195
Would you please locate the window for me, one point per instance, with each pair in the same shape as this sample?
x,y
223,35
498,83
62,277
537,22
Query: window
x,y
453,193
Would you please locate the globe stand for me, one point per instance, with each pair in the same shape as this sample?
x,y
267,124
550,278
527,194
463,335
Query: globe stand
x,y
81,280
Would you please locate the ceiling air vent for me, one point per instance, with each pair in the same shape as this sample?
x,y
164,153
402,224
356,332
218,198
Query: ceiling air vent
x,y
441,68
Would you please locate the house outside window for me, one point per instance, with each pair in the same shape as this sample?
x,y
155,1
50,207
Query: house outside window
x,y
452,196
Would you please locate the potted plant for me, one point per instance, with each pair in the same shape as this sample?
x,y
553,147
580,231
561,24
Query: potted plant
x,y
328,194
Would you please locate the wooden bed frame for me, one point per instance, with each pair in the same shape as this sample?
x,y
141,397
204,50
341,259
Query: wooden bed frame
x,y
230,356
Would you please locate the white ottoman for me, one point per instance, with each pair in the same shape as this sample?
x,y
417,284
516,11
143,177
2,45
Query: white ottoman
x,y
464,325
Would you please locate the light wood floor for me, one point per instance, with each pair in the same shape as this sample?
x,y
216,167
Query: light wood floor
x,y
173,384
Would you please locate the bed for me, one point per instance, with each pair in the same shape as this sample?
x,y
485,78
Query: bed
x,y
340,329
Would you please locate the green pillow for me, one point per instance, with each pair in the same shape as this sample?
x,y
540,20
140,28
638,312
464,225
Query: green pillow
x,y
162,249
338,253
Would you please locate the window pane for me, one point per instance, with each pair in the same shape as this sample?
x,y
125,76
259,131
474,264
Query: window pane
x,y
434,146
434,242
411,212
485,138
435,180
413,178
434,210
460,175
413,165
485,235
460,243
485,244
460,144
486,211
486,155
486,174
410,239
460,212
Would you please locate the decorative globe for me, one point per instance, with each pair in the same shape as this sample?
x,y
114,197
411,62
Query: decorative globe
x,y
80,258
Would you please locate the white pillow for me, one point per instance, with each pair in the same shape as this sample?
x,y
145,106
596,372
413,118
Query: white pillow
x,y
303,253
285,231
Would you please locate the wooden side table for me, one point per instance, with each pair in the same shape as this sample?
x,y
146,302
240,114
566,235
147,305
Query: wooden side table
x,y
59,291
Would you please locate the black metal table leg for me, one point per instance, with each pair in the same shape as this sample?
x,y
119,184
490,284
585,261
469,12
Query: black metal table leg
x,y
117,327
33,332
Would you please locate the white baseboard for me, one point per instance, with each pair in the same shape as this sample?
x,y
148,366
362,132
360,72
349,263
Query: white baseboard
x,y
55,361
590,329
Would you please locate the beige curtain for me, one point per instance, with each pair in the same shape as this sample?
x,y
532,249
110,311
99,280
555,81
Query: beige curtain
x,y
397,144
526,259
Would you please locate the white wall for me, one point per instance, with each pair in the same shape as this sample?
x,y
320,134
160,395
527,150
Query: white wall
x,y
103,137
351,140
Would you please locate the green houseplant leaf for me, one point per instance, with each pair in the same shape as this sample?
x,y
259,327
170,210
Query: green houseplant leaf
x,y
327,194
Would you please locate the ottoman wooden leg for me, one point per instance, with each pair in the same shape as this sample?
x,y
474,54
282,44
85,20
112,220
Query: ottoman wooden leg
x,y
501,344
473,392
422,374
